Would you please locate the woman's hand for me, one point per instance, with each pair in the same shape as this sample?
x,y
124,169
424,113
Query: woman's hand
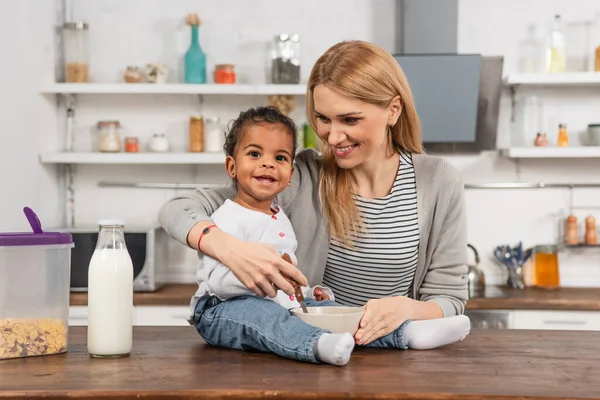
x,y
383,316
320,295
261,268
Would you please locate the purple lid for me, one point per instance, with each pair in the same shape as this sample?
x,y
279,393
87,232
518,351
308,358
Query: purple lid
x,y
34,239
38,238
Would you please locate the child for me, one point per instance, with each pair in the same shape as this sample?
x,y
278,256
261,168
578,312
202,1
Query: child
x,y
260,151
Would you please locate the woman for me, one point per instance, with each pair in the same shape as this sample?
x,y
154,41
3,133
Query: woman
x,y
376,220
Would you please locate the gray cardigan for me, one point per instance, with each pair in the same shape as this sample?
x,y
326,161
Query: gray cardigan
x,y
441,274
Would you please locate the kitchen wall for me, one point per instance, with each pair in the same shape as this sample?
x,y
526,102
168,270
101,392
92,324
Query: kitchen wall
x,y
494,27
136,32
27,121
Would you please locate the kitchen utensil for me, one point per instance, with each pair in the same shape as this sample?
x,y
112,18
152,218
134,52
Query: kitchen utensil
x,y
476,276
337,319
512,259
298,292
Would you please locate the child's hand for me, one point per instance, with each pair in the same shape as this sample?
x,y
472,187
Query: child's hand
x,y
319,295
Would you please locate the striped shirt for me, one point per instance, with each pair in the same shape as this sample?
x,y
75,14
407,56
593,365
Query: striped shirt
x,y
384,258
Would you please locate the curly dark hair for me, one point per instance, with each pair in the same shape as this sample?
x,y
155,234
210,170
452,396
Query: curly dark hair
x,y
255,116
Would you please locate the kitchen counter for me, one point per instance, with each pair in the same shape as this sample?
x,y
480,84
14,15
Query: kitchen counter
x,y
573,299
174,363
583,299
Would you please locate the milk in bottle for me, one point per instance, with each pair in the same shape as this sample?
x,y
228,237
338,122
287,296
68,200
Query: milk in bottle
x,y
110,293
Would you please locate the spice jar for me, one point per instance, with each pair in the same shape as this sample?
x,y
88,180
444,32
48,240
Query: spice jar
x,y
224,73
196,134
571,236
132,74
109,137
591,234
285,59
563,135
76,51
131,145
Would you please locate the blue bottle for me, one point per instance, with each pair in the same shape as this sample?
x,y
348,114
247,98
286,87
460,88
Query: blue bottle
x,y
195,60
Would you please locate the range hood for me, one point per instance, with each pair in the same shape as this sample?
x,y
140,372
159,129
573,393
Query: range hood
x,y
457,95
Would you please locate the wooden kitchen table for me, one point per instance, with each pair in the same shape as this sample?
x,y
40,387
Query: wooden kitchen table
x,y
173,363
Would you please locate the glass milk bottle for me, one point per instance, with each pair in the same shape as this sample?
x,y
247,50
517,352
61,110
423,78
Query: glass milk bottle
x,y
110,293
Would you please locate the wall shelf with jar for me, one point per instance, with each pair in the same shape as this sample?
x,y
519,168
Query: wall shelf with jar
x,y
174,88
552,152
558,79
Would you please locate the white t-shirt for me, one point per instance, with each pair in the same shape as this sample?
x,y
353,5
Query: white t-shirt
x,y
216,279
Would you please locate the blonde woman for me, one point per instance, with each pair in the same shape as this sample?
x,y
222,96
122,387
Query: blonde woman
x,y
377,221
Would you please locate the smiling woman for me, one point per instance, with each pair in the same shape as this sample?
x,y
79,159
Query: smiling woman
x,y
378,221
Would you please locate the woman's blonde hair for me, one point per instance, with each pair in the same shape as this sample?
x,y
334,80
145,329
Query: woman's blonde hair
x,y
365,72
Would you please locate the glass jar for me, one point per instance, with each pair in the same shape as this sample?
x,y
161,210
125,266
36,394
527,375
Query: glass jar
x,y
224,73
545,272
196,134
563,135
76,51
310,137
285,59
131,145
214,139
109,136
132,74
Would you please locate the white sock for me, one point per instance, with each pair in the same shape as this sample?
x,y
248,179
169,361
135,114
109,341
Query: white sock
x,y
432,333
334,348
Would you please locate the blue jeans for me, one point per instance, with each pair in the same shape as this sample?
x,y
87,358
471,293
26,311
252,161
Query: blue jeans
x,y
253,323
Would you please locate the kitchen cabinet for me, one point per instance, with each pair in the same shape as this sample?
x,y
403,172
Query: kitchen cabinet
x,y
161,315
557,320
78,316
142,315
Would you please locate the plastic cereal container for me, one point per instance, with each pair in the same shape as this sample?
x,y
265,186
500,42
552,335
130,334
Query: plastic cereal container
x,y
35,273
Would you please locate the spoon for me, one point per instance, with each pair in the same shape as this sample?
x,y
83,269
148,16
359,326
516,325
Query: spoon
x,y
298,292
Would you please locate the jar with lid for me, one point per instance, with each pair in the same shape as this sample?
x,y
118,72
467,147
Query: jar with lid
x,y
109,136
214,138
196,134
285,59
131,145
224,73
132,74
76,51
563,135
159,143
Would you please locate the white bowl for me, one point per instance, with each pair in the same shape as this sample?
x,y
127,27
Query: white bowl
x,y
337,319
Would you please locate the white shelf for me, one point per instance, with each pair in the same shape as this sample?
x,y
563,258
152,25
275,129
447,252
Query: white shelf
x,y
566,79
552,152
175,88
132,158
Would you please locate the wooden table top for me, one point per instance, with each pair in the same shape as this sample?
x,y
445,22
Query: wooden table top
x,y
587,299
174,363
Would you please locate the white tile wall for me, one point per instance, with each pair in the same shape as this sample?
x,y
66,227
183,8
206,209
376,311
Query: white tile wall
x,y
136,32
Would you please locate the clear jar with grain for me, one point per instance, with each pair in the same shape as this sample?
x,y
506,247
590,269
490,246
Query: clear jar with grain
x,y
76,52
108,136
196,134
